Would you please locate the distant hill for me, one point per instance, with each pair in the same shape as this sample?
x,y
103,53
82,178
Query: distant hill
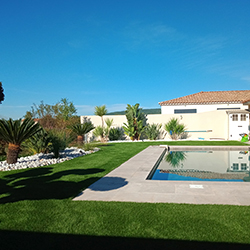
x,y
145,111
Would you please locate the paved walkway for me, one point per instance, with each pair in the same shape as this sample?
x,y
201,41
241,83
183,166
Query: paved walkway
x,y
128,183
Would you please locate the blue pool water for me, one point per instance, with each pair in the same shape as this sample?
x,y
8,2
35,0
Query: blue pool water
x,y
203,166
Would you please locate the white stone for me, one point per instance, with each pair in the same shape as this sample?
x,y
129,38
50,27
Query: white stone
x,y
41,159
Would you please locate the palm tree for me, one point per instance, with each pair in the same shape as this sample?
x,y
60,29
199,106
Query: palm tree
x,y
14,132
81,130
101,111
174,128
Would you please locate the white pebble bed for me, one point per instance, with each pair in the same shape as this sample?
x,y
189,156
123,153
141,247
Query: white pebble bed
x,y
39,160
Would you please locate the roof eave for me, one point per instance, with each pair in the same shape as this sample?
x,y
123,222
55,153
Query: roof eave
x,y
194,103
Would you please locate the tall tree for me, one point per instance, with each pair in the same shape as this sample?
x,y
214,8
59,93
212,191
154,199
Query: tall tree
x,y
66,109
62,110
1,93
14,132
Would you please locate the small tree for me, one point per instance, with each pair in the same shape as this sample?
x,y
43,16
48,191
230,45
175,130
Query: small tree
x,y
136,121
81,130
174,128
1,93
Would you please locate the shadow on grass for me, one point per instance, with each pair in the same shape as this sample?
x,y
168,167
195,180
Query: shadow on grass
x,y
108,183
29,240
42,183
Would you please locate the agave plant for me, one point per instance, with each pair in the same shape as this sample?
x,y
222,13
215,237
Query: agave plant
x,y
81,130
14,132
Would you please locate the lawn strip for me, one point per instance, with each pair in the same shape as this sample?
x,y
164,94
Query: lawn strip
x,y
39,200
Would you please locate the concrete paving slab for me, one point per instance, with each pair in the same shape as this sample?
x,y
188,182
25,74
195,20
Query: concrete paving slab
x,y
128,183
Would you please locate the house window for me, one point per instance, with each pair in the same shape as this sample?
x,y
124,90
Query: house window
x,y
185,111
235,166
243,117
226,108
243,166
235,117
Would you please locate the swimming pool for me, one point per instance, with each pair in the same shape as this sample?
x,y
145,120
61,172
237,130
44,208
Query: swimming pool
x,y
201,165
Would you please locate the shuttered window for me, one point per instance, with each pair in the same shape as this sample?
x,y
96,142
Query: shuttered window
x,y
185,111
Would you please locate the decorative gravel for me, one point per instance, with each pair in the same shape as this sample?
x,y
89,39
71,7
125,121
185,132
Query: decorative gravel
x,y
39,160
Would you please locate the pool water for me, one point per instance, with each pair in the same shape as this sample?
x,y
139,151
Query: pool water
x,y
202,166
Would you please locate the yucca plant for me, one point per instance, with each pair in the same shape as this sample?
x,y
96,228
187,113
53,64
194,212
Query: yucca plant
x,y
103,132
98,132
81,130
14,132
152,131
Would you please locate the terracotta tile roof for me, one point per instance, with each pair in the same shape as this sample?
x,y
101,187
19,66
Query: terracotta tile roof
x,y
211,97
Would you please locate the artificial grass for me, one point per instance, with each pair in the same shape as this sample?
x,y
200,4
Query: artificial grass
x,y
39,200
216,223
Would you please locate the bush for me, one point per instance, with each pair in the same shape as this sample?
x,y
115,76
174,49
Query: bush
x,y
99,132
152,131
38,143
59,141
116,134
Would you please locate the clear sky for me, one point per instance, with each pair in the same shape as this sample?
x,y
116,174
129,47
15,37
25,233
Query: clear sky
x,y
119,52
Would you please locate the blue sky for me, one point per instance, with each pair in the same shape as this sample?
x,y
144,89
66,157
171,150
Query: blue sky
x,y
96,52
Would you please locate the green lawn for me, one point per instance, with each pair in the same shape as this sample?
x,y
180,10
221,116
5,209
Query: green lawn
x,y
38,202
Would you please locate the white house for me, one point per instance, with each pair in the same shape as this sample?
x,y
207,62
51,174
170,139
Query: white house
x,y
235,104
207,101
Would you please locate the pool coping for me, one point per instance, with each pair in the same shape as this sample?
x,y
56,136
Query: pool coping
x,y
128,183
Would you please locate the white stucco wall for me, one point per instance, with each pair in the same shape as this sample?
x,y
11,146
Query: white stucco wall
x,y
214,121
201,108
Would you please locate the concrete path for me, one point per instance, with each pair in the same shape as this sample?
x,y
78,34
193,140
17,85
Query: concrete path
x,y
128,183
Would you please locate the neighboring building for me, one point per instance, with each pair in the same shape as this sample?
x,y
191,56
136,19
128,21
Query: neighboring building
x,y
235,104
207,101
